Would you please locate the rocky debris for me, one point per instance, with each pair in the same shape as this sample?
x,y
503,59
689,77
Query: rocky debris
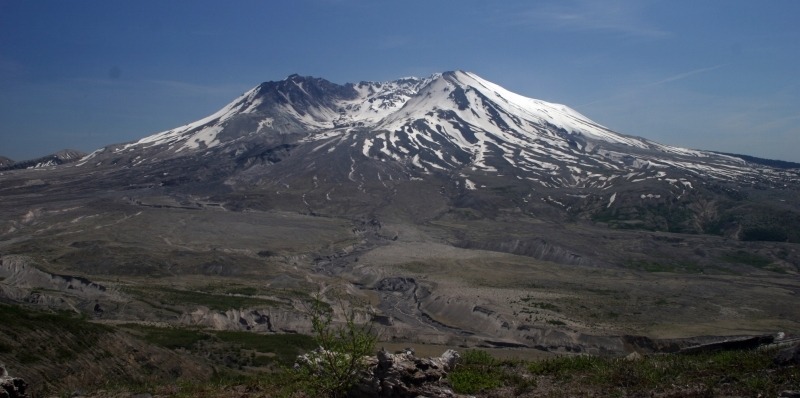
x,y
789,356
404,375
396,284
11,387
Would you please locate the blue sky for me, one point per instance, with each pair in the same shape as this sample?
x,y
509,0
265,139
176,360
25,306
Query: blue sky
x,y
719,75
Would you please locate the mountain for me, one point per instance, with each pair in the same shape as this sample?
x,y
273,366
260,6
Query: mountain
x,y
450,121
330,148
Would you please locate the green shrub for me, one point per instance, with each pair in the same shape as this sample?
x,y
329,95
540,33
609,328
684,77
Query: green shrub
x,y
338,364
471,380
477,372
477,357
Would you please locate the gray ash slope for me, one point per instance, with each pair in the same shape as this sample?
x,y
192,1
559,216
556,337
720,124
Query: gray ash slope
x,y
457,141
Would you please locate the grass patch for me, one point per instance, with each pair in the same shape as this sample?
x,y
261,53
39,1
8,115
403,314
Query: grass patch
x,y
745,373
565,367
171,337
216,302
528,300
747,258
684,267
476,373
230,348
284,347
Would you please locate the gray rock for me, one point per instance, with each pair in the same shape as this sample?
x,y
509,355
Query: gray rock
x,y
788,356
404,375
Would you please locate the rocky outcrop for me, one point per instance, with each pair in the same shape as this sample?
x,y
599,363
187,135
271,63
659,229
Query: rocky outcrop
x,y
404,375
22,281
11,387
264,320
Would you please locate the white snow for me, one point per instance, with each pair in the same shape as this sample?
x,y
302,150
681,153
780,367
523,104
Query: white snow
x,y
612,199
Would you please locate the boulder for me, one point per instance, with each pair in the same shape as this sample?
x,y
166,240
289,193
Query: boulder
x,y
11,387
404,375
788,356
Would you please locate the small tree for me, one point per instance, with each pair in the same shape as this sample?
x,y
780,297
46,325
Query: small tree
x,y
338,363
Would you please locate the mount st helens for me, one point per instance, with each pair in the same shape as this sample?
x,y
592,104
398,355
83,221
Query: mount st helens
x,y
460,212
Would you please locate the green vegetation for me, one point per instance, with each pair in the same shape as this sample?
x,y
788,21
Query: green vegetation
x,y
19,338
19,318
747,258
217,302
767,234
231,348
685,267
734,373
333,370
284,348
228,288
563,368
528,300
337,365
477,373
170,337
745,373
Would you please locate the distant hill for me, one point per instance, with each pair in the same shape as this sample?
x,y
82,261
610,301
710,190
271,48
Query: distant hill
x,y
778,164
60,157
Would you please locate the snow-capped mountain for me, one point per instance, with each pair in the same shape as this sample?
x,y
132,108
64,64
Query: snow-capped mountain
x,y
449,122
324,142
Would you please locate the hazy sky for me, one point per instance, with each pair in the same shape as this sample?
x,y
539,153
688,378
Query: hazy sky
x,y
721,75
